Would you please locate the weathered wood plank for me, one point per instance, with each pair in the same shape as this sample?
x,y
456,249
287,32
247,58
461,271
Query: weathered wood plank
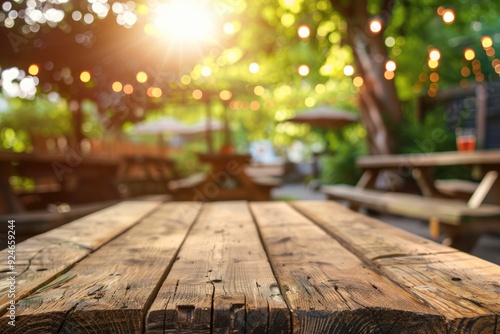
x,y
222,281
463,288
45,256
110,290
329,289
361,234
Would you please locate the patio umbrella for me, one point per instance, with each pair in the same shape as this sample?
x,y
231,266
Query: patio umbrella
x,y
203,126
166,125
160,126
325,117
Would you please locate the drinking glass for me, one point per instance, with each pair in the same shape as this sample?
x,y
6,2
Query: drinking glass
x,y
466,139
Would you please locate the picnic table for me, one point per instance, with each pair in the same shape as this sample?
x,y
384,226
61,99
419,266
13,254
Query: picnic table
x,y
146,174
228,179
242,267
442,202
94,178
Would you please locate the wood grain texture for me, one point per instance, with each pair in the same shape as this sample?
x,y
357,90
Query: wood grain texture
x,y
110,290
329,289
366,236
46,256
222,281
461,287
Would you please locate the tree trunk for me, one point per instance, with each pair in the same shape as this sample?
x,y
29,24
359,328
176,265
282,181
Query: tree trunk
x,y
379,105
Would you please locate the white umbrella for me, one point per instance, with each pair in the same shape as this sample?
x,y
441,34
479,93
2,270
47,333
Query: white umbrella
x,y
325,117
159,126
203,126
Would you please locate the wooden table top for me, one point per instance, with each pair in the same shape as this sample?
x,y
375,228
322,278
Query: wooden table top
x,y
240,267
487,157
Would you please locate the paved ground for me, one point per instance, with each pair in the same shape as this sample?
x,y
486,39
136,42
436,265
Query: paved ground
x,y
487,248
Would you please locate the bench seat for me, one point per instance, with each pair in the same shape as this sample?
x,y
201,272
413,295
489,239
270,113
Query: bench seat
x,y
456,188
454,215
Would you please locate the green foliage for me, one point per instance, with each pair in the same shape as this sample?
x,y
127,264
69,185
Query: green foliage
x,y
340,167
25,117
430,135
346,146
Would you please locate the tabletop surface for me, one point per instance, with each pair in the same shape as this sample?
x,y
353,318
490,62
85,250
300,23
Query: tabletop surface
x,y
430,159
242,267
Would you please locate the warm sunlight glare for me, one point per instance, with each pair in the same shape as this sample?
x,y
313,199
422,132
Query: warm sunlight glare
x,y
185,20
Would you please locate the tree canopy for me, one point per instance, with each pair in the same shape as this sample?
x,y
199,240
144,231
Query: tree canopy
x,y
265,60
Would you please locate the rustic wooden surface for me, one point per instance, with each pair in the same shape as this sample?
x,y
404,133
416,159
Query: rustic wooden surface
x,y
463,288
46,256
238,267
340,289
222,281
110,290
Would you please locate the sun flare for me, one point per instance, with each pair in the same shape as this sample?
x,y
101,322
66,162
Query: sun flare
x,y
185,20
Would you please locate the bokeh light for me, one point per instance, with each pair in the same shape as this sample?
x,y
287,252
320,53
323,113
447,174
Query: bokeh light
x,y
389,75
448,16
197,94
33,69
434,54
128,89
254,68
303,70
358,81
348,70
469,54
85,76
141,77
486,42
225,95
303,31
117,86
390,65
375,25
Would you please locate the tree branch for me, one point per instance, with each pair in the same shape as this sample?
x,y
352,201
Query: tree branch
x,y
387,6
339,6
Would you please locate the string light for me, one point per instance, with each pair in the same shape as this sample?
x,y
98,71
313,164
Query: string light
x,y
390,65
141,77
253,68
117,86
389,75
197,94
434,54
375,25
348,70
486,42
225,95
85,76
448,16
303,70
33,69
303,31
469,54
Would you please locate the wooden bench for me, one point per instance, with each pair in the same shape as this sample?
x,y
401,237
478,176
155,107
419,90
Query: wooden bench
x,y
238,267
456,188
463,224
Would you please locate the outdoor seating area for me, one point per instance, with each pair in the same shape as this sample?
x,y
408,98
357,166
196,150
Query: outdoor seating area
x,y
463,221
270,167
